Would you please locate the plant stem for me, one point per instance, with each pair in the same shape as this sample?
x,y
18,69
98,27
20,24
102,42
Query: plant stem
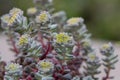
x,y
47,51
107,74
14,46
41,39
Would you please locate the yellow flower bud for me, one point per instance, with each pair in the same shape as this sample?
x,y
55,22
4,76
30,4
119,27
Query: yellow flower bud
x,y
43,17
45,65
62,38
74,21
32,11
23,40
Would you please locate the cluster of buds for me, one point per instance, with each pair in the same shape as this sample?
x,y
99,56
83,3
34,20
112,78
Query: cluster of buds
x,y
50,47
45,66
32,11
43,17
13,69
15,17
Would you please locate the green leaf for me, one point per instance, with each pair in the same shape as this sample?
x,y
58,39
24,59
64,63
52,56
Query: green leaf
x,y
114,57
106,60
25,23
106,65
113,62
58,50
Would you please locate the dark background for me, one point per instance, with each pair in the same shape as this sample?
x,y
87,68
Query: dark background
x,y
102,17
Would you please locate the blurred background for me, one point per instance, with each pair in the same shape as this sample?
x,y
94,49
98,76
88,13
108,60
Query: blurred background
x,y
102,17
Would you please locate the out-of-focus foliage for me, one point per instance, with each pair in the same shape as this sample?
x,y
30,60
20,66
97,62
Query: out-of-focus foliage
x,y
102,16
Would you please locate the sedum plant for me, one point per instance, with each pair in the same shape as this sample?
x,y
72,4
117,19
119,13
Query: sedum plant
x,y
109,59
47,46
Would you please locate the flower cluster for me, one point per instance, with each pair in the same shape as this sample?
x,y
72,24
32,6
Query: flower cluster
x,y
92,57
32,11
43,17
107,49
75,21
50,47
13,68
45,66
62,38
14,17
23,40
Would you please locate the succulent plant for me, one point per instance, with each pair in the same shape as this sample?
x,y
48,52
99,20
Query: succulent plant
x,y
109,59
50,47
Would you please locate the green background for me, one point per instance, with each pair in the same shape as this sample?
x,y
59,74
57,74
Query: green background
x,y
102,17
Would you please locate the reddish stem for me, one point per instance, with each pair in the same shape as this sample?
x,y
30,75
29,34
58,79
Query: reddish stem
x,y
56,72
41,39
49,49
14,46
107,75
